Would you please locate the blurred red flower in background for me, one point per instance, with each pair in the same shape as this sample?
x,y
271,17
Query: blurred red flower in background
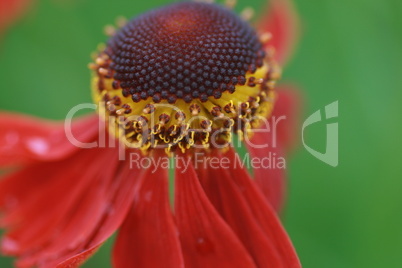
x,y
10,11
63,202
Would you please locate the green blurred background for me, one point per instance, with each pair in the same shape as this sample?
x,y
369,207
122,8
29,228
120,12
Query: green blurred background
x,y
351,51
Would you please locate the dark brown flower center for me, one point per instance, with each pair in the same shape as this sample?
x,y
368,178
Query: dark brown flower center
x,y
184,77
184,51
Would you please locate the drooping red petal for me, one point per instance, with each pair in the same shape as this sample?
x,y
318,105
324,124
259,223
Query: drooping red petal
x,y
68,194
25,139
283,137
87,211
207,241
11,10
282,21
289,106
74,207
120,198
26,192
244,208
149,237
77,260
271,179
264,214
235,211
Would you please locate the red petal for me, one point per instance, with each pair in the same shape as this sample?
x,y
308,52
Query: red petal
x,y
40,212
11,10
207,241
120,199
25,193
255,222
77,260
87,212
288,105
25,139
282,21
272,180
149,237
70,212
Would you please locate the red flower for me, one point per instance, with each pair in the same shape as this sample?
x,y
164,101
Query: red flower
x,y
62,202
10,11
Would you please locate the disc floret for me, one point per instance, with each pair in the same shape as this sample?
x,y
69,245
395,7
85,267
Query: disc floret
x,y
185,76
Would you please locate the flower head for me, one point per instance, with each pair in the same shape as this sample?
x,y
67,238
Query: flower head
x,y
200,73
186,74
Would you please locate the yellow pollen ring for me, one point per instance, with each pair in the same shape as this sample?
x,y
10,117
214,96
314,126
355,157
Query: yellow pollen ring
x,y
184,126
